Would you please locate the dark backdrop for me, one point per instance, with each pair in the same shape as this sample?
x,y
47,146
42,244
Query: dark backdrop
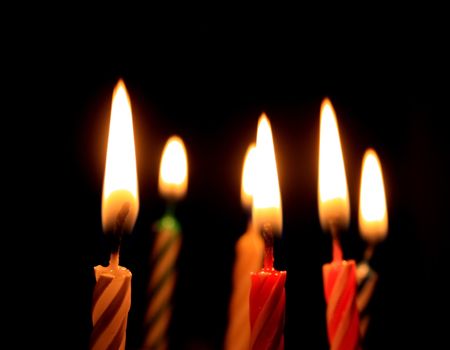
x,y
208,80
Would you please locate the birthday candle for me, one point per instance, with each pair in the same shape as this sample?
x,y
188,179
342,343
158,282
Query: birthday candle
x,y
249,255
166,247
373,228
267,294
112,293
339,276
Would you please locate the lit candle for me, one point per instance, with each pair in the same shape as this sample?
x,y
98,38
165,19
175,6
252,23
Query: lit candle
x,y
267,294
166,247
339,277
249,255
120,205
373,228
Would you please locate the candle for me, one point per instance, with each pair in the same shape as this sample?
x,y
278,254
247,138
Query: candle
x,y
267,294
373,227
172,186
112,293
249,255
339,276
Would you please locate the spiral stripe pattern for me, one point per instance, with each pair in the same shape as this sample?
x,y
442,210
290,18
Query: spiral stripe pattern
x,y
110,305
367,280
267,309
162,282
341,315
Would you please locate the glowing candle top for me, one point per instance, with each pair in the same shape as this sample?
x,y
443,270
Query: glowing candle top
x,y
334,204
266,196
173,170
120,187
373,217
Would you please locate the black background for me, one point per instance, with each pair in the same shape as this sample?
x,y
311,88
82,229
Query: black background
x,y
208,77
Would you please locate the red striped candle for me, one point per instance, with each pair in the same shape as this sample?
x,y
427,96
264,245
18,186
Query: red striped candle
x,y
339,281
339,276
267,304
267,294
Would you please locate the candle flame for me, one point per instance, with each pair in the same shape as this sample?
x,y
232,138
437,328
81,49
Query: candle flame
x,y
173,170
120,182
373,218
266,196
248,177
334,206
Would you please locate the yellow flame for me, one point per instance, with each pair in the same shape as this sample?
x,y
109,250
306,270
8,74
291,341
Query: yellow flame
x,y
120,182
373,218
266,196
248,177
334,206
173,170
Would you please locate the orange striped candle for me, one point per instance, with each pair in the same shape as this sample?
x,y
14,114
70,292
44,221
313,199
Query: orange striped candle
x,y
249,254
339,276
166,247
112,293
373,228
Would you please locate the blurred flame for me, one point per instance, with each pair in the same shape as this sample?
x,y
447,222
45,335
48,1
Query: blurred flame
x,y
334,206
373,218
248,177
173,170
266,196
120,182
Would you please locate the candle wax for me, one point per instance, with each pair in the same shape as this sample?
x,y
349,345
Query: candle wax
x,y
267,306
110,305
339,279
249,258
162,282
367,280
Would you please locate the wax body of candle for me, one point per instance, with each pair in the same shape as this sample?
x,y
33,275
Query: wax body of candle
x,y
267,306
339,280
367,280
162,282
120,204
249,257
110,306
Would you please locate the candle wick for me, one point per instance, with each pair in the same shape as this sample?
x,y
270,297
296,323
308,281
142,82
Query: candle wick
x,y
267,234
337,249
119,227
170,207
369,252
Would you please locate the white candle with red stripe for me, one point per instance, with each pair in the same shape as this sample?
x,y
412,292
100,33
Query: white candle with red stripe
x,y
339,277
112,293
373,228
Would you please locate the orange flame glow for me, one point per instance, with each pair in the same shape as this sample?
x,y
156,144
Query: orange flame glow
x,y
120,182
373,218
173,172
334,205
266,196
